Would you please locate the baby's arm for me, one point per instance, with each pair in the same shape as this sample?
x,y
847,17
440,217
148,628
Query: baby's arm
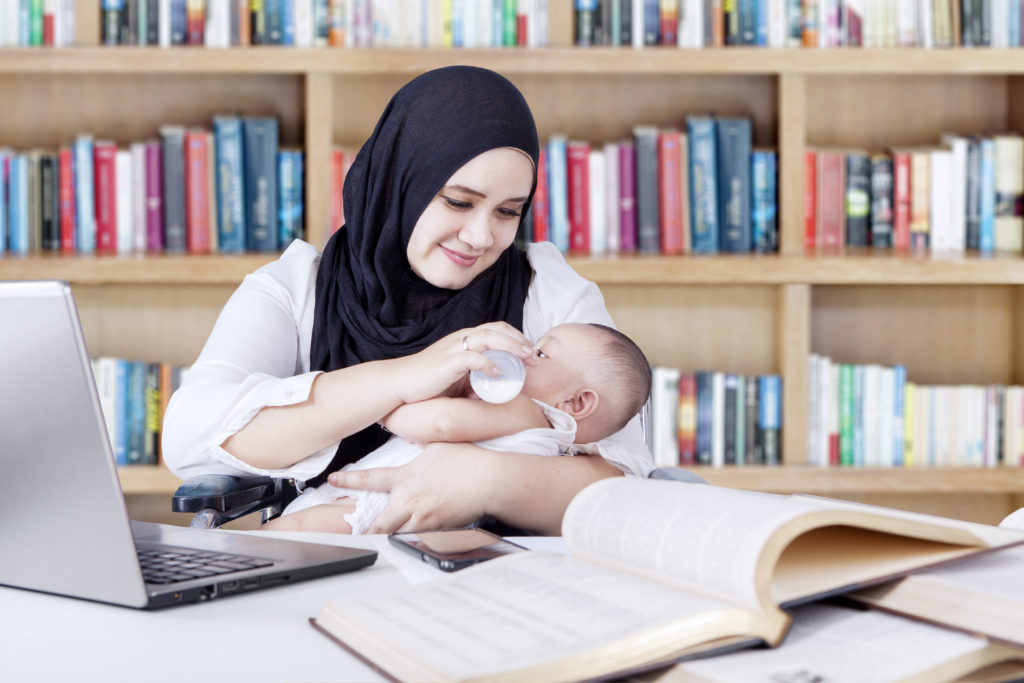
x,y
463,419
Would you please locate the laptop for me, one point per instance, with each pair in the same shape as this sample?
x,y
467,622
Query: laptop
x,y
64,528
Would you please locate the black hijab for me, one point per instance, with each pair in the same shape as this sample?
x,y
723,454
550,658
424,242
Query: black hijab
x,y
370,305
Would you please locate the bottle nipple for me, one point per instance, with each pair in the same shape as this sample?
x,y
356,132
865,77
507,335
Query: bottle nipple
x,y
505,386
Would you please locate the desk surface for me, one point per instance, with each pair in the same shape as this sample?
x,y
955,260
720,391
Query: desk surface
x,y
254,637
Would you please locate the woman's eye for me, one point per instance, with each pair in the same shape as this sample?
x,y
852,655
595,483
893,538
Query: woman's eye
x,y
456,203
509,213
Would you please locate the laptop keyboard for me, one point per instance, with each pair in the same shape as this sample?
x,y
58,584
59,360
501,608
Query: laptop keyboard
x,y
168,565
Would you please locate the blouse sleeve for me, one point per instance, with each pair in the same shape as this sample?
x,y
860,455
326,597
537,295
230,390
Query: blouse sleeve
x,y
559,295
257,356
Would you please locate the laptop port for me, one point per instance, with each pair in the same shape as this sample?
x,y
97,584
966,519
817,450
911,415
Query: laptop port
x,y
229,586
249,584
274,580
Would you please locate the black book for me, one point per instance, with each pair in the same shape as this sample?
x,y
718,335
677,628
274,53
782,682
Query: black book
x,y
881,200
172,139
258,24
731,22
858,199
273,13
648,230
973,204
729,419
49,208
586,23
130,23
259,154
704,417
627,22
152,22
111,24
733,146
750,453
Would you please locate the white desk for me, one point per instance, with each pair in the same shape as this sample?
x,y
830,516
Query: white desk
x,y
249,638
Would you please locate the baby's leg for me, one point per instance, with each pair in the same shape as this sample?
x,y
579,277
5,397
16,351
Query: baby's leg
x,y
329,517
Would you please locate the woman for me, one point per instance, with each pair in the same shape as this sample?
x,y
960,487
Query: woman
x,y
311,352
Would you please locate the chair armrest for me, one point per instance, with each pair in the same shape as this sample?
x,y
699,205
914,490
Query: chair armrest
x,y
221,492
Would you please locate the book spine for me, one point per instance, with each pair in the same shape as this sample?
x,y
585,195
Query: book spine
x,y
670,204
810,199
687,419
703,382
717,419
752,455
1009,195
578,162
652,22
230,195
858,199
197,208
49,198
35,223
597,184
733,150
173,156
151,431
139,197
5,161
740,420
987,192
769,398
648,231
901,199
105,175
626,26
586,21
831,184
84,194
125,234
703,185
154,196
290,193
899,390
881,201
764,203
558,187
260,159
668,16
540,206
627,197
730,389
920,196
846,414
731,22
152,26
747,15
111,22
972,204
811,25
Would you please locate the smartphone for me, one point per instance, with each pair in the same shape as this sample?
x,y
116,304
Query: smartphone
x,y
453,549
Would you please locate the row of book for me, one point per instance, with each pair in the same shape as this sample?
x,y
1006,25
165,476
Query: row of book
x,y
965,193
800,23
37,23
662,191
133,396
874,416
322,23
714,418
189,191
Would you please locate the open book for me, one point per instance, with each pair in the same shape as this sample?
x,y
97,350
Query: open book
x,y
656,570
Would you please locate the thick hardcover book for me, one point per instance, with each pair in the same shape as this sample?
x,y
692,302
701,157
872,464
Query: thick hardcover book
x,y
920,199
85,194
123,205
769,422
17,229
881,201
731,388
49,201
858,199
733,150
558,190
35,221
831,189
578,183
179,22
1009,183
752,455
111,23
652,22
586,21
154,196
987,190
958,191
671,207
172,140
901,199
627,197
596,187
704,409
747,11
230,192
291,200
105,180
259,137
687,418
648,231
972,200
703,184
669,29
540,207
940,194
810,199
560,616
66,199
764,209
197,199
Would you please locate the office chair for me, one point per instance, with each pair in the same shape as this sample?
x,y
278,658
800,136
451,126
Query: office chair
x,y
216,499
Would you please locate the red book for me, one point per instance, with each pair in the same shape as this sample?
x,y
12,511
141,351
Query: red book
x,y
66,195
669,20
540,207
627,197
810,199
831,204
833,448
195,21
154,196
687,419
578,163
901,199
104,157
48,28
197,192
670,196
522,25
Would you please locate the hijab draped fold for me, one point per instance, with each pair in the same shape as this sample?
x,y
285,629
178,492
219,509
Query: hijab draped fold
x,y
370,305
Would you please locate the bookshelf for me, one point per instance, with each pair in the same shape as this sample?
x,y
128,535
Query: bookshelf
x,y
949,320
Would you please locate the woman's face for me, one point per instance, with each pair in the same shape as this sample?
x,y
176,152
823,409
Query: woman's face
x,y
474,218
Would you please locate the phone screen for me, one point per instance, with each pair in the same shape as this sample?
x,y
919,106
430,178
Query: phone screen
x,y
452,549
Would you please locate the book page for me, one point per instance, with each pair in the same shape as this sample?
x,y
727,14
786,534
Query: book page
x,y
838,644
529,609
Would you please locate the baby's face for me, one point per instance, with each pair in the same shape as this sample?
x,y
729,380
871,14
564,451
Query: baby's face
x,y
563,355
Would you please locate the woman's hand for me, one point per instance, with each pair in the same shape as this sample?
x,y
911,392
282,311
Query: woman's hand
x,y
432,371
446,486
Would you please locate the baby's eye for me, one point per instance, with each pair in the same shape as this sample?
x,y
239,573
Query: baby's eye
x,y
541,354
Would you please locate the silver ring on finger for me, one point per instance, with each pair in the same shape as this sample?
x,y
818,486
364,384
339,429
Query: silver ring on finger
x,y
465,343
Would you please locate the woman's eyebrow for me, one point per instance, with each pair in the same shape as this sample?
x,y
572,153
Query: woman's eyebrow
x,y
477,193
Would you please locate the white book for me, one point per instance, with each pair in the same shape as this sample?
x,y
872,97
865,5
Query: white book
x,y
958,192
925,24
138,154
940,204
611,196
217,15
304,25
123,206
872,416
164,25
887,417
906,23
814,412
665,413
1000,24
434,24
540,35
597,203
638,24
718,419
9,22
777,23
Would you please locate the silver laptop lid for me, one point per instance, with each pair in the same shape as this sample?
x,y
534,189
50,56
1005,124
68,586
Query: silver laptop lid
x,y
63,523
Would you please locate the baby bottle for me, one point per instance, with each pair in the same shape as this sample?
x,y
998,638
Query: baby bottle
x,y
505,386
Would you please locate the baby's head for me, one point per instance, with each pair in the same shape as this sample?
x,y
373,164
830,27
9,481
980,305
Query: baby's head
x,y
592,372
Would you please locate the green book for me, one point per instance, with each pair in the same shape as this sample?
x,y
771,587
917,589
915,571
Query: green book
x,y
845,414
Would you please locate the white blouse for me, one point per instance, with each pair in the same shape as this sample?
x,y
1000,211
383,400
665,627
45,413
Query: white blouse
x,y
258,356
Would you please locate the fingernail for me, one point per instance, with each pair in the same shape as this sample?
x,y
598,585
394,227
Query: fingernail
x,y
527,351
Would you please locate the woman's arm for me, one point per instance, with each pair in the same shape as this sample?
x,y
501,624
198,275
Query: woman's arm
x,y
452,485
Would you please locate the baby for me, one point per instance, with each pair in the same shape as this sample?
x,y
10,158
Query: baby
x,y
589,382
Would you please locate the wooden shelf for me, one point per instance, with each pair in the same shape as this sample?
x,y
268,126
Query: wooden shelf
x,y
838,481
596,61
146,479
219,269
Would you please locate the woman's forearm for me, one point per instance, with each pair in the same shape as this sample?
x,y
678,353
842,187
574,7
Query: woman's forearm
x,y
340,403
532,492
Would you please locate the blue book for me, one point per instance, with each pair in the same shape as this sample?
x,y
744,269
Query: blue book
x,y
760,22
558,193
703,184
227,140
652,22
18,200
769,416
259,139
705,410
136,410
290,196
764,201
122,424
1014,23
85,211
987,190
458,24
179,22
794,24
899,387
497,23
287,9
747,15
4,156
734,142
274,11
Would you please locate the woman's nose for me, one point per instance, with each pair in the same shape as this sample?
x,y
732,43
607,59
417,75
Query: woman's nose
x,y
476,232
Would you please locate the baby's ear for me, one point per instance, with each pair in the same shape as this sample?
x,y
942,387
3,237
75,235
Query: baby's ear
x,y
581,404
